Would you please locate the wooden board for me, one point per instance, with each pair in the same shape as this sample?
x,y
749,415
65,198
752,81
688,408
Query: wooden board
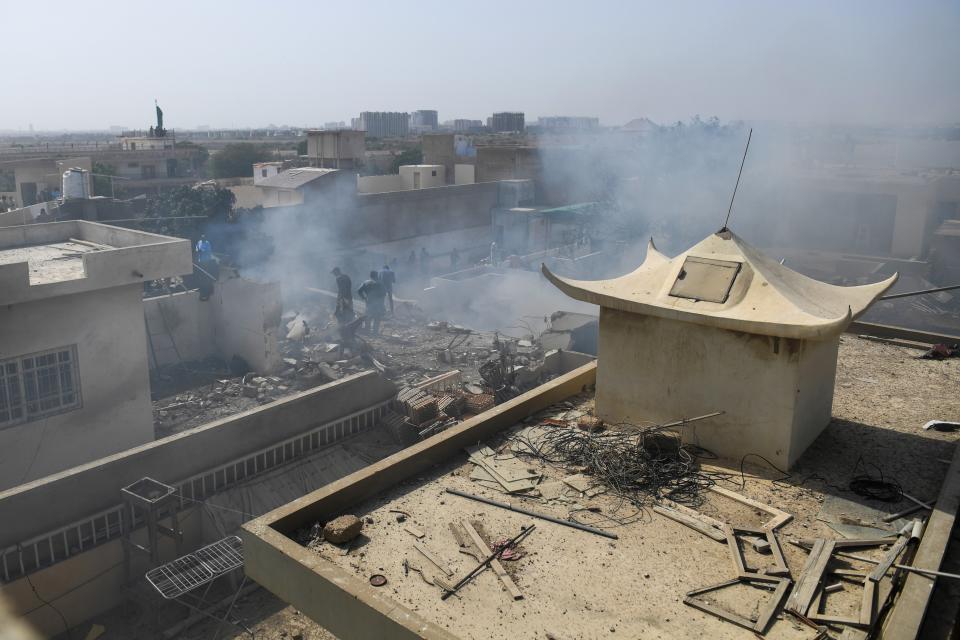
x,y
494,564
809,580
779,518
693,523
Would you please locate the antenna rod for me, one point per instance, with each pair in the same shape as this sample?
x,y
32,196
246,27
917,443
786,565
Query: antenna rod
x,y
750,135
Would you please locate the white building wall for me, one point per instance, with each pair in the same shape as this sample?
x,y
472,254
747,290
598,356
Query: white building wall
x,y
776,393
106,327
422,176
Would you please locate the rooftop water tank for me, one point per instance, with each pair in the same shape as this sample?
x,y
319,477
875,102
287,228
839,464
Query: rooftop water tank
x,y
75,184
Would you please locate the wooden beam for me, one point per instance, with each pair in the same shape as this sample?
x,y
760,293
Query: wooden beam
x,y
693,523
809,580
494,564
779,518
906,618
890,331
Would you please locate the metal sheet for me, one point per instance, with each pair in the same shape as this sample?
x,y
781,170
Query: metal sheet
x,y
705,279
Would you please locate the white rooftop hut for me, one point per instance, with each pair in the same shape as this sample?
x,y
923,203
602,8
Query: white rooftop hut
x,y
721,327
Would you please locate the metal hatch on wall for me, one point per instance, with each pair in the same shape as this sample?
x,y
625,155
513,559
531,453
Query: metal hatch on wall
x,y
705,279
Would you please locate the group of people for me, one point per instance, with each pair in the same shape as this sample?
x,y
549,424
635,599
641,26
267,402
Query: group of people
x,y
376,292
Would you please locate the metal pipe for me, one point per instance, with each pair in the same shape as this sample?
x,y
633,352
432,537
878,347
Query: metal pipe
x,y
894,296
533,514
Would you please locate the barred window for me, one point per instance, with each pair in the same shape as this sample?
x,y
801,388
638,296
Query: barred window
x,y
38,385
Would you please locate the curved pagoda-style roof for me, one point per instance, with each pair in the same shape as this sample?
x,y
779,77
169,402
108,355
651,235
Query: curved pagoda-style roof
x,y
724,282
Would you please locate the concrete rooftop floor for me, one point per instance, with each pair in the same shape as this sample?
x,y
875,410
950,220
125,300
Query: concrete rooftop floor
x,y
578,585
55,262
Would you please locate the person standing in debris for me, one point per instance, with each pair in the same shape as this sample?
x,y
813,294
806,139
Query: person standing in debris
x,y
454,259
344,310
388,278
372,293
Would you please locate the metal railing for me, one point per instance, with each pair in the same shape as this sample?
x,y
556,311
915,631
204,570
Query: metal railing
x,y
104,526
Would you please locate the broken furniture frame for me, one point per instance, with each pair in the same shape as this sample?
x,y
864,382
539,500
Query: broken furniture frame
x,y
762,621
780,564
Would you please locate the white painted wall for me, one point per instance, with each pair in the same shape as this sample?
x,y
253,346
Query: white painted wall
x,y
430,175
379,184
776,393
464,174
241,318
106,325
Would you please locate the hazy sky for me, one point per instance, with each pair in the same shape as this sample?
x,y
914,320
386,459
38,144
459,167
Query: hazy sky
x,y
98,63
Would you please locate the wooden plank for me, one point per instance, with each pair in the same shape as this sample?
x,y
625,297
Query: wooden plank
x,y
844,544
881,569
907,615
434,560
767,614
734,546
691,522
693,513
868,603
494,564
414,531
779,519
809,580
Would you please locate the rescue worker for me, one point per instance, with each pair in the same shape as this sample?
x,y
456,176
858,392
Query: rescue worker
x,y
206,268
372,293
344,310
388,278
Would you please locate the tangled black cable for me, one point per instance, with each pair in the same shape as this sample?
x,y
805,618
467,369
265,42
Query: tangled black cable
x,y
874,487
639,466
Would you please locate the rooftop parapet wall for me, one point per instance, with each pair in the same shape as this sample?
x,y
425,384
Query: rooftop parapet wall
x,y
125,257
95,486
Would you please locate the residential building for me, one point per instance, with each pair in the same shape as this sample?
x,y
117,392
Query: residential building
x,y
336,148
424,120
461,125
74,380
335,125
568,123
506,121
384,124
308,186
449,150
35,180
264,170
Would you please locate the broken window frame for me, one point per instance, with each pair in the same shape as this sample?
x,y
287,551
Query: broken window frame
x,y
39,385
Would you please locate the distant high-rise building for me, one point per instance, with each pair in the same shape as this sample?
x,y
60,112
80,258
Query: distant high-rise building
x,y
335,125
506,121
385,124
461,125
568,123
424,119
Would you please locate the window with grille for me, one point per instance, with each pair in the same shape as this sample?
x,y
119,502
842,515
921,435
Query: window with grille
x,y
38,385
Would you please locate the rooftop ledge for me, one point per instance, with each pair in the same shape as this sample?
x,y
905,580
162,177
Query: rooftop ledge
x,y
59,258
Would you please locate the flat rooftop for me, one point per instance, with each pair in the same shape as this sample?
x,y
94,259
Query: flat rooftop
x,y
577,584
54,262
59,258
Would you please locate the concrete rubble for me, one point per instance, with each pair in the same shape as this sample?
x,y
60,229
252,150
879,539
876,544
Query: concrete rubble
x,y
410,350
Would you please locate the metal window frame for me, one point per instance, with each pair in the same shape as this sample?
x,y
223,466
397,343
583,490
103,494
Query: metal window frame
x,y
40,414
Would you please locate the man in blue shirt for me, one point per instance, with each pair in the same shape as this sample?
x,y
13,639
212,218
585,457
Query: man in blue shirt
x,y
204,250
